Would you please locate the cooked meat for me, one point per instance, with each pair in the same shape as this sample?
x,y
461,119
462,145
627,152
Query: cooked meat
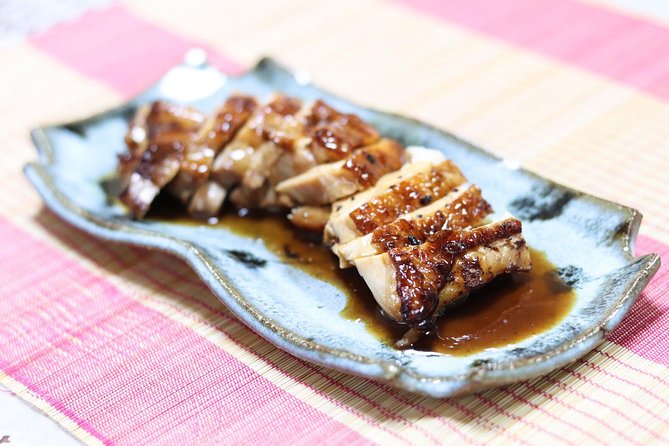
x,y
274,124
311,218
154,158
207,200
408,195
219,129
412,229
247,198
139,194
334,135
344,206
307,136
413,283
268,167
136,139
270,145
327,183
364,213
463,207
148,122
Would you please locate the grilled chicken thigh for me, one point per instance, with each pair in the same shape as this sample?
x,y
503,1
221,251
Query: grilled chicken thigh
x,y
216,132
463,207
334,135
406,219
207,200
413,283
285,139
411,188
327,183
272,126
157,140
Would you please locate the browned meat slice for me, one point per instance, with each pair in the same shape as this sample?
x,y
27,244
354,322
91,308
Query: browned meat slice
x,y
334,135
217,131
345,206
413,283
362,214
154,159
275,124
463,207
311,218
136,140
207,200
285,139
148,122
327,183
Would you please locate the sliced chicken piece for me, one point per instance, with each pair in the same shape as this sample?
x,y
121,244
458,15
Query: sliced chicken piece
x,y
139,194
148,122
154,160
364,213
463,207
273,133
137,140
274,124
412,284
344,206
325,135
311,218
334,135
327,183
207,200
219,129
289,139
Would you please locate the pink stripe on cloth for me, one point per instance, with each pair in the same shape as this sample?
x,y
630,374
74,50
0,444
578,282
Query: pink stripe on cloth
x,y
128,374
645,329
124,51
626,49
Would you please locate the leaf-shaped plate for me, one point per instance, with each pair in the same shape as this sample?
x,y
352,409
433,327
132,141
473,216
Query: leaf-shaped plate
x,y
573,229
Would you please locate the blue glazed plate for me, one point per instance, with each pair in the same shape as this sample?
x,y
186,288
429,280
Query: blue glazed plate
x,y
577,232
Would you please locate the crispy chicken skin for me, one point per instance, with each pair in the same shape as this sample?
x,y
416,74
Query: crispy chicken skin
x,y
462,208
413,283
157,140
406,196
327,183
290,138
216,132
241,152
148,122
341,208
270,126
398,195
334,135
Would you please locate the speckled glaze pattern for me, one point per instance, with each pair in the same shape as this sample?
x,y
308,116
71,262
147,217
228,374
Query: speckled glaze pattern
x,y
589,239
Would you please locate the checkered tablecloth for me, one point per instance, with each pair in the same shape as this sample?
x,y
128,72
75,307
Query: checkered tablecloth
x,y
122,345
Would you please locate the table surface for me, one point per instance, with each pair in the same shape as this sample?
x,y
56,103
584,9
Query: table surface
x,y
103,343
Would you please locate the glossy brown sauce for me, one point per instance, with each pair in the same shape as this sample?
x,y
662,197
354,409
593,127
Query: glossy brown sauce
x,y
508,310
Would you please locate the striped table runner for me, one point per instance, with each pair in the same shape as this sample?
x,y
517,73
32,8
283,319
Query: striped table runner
x,y
120,345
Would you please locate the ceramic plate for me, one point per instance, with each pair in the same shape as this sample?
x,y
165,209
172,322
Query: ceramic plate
x,y
589,237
